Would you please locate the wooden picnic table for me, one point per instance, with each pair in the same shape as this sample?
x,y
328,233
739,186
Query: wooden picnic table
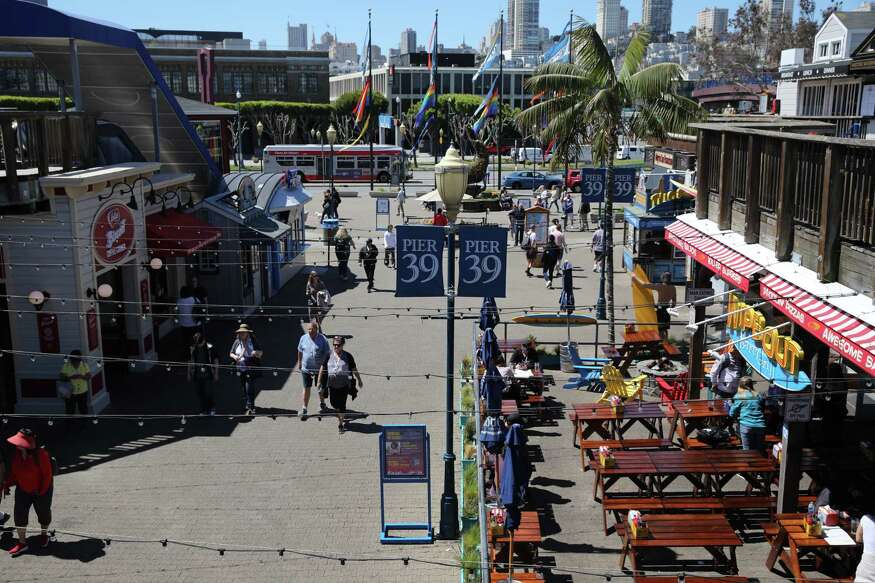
x,y
791,532
688,416
600,418
707,473
709,531
637,343
526,538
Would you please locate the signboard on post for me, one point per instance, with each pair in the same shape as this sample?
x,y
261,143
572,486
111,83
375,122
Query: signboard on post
x,y
483,262
382,209
404,458
420,252
797,409
592,185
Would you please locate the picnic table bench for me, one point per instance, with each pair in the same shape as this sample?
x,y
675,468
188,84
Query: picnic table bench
x,y
708,474
526,538
500,577
637,344
709,531
603,420
589,446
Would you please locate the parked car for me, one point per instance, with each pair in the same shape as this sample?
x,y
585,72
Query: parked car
x,y
529,180
630,153
574,179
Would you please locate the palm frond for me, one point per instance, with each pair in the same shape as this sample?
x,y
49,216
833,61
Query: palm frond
x,y
634,55
559,78
592,57
653,81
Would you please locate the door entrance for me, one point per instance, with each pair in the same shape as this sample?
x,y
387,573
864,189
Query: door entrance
x,y
112,316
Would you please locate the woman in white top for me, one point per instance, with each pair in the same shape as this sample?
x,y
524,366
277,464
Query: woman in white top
x,y
866,534
389,245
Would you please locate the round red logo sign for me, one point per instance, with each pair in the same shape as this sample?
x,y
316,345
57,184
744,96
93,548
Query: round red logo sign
x,y
113,233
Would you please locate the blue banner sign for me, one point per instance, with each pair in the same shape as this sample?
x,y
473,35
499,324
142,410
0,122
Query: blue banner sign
x,y
420,252
483,262
592,185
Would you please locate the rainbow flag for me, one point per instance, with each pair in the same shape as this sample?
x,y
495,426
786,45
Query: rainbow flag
x,y
488,108
429,101
363,103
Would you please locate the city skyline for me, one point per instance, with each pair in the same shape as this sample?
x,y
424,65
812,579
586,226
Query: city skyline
x,y
388,21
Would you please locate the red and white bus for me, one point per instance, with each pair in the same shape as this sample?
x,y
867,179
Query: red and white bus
x,y
349,163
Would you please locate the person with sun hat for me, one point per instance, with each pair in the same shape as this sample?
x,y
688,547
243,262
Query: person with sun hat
x,y
30,471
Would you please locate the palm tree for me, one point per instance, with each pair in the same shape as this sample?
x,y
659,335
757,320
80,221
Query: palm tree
x,y
590,98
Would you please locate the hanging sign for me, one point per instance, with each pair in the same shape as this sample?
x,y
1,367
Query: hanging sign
x,y
49,337
483,262
420,252
592,185
772,355
113,234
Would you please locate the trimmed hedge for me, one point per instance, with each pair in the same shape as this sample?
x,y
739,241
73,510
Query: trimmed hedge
x,y
293,108
31,103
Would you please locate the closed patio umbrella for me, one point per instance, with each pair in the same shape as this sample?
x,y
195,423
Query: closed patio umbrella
x,y
489,349
489,317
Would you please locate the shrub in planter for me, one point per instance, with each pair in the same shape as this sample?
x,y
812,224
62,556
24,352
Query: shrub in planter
x,y
470,430
470,558
467,398
470,503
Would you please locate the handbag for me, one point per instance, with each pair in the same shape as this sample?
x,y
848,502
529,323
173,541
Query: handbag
x,y
65,389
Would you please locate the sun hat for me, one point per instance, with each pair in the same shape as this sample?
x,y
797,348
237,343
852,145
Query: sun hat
x,y
23,440
243,328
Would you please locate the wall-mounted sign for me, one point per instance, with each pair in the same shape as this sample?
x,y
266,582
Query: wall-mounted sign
x,y
774,356
663,158
797,409
113,234
49,336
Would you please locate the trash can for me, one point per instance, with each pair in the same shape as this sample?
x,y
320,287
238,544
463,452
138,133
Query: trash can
x,y
565,364
329,230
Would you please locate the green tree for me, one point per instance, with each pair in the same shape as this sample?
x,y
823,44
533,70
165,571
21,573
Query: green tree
x,y
590,93
343,116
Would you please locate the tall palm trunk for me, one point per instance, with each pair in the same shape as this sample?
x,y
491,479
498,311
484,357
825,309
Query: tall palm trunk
x,y
609,236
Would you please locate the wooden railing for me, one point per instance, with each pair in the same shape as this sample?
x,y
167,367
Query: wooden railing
x,y
37,143
820,182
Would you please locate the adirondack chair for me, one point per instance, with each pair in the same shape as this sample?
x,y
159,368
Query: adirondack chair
x,y
587,369
616,384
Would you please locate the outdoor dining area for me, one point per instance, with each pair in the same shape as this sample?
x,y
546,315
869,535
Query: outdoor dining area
x,y
677,491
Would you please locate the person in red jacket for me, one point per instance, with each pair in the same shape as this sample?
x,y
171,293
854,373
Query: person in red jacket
x,y
440,219
30,472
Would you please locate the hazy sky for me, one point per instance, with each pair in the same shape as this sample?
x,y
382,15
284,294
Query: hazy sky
x,y
266,19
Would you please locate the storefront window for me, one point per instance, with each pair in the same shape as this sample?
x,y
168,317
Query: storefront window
x,y
208,259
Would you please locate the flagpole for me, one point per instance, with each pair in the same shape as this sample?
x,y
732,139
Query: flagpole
x,y
570,61
371,90
500,93
434,71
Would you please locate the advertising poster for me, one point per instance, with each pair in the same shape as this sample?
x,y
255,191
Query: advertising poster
x,y
404,453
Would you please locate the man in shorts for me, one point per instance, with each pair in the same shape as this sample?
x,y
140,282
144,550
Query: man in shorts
x,y
313,351
666,297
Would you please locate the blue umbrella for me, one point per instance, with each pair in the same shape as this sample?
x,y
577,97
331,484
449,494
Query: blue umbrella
x,y
491,388
489,317
489,349
515,475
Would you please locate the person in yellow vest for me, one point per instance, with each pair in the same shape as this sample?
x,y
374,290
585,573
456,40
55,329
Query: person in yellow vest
x,y
75,377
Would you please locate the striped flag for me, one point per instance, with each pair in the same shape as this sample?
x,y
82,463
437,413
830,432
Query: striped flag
x,y
429,100
488,108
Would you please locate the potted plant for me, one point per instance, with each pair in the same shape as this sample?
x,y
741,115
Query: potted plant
x,y
470,555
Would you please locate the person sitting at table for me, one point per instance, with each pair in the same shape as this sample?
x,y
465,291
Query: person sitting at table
x,y
866,535
747,408
525,357
727,372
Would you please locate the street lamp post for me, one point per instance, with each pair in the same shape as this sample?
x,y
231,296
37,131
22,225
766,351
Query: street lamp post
x,y
451,177
331,134
259,128
239,132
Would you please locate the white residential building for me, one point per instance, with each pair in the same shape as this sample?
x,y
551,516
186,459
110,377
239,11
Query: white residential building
x,y
523,26
408,41
712,22
298,35
607,18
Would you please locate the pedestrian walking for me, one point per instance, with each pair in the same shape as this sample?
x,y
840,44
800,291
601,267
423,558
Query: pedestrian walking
x,y
318,298
368,259
584,215
335,203
246,354
341,373
531,247
343,245
327,206
202,295
517,218
598,248
31,472
726,373
185,308
505,200
203,370
400,199
389,247
567,208
313,351
559,238
73,387
555,195
549,259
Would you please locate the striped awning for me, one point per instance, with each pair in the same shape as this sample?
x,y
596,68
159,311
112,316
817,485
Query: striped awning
x,y
847,334
726,262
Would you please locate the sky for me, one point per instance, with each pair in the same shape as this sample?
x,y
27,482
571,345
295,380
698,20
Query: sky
x,y
266,19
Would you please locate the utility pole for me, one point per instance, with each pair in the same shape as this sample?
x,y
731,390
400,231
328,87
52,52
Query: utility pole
x,y
370,98
500,94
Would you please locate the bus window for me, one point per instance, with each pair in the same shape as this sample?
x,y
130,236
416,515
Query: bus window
x,y
285,161
345,162
382,163
306,162
364,163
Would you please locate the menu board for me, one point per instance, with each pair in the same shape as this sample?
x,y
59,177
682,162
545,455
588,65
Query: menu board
x,y
405,453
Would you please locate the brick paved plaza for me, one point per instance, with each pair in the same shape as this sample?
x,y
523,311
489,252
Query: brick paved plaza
x,y
298,485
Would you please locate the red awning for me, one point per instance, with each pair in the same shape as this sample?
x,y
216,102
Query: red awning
x,y
175,234
727,263
846,334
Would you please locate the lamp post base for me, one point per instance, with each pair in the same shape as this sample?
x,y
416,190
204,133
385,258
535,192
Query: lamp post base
x,y
601,312
449,525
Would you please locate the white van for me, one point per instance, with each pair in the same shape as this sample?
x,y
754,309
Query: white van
x,y
630,153
528,155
